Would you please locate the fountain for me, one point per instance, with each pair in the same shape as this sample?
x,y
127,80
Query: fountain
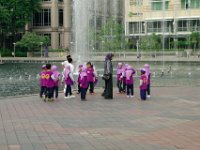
x,y
89,16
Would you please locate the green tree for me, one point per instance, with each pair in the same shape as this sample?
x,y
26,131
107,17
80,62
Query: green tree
x,y
150,42
32,41
195,40
110,36
14,14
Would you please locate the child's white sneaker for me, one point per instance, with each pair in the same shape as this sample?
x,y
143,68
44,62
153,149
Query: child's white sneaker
x,y
72,96
132,96
127,96
67,97
148,96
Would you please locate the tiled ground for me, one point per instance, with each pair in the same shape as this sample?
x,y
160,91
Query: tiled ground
x,y
170,120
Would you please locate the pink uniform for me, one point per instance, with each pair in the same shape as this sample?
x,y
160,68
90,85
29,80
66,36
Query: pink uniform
x,y
42,78
144,82
49,80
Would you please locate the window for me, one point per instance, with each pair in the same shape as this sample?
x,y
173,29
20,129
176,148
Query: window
x,y
60,17
189,25
42,18
154,26
182,25
185,4
136,2
158,4
136,27
157,26
195,4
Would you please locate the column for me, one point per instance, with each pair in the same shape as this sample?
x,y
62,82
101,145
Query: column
x,y
67,13
54,25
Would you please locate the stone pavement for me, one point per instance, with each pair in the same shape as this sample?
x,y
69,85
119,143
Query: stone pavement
x,y
170,120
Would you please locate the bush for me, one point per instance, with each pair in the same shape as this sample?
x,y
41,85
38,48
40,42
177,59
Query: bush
x,y
8,53
57,50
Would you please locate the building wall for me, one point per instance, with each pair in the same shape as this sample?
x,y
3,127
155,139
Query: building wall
x,y
48,22
182,17
54,21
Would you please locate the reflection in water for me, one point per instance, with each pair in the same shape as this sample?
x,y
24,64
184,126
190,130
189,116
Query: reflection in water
x,y
20,79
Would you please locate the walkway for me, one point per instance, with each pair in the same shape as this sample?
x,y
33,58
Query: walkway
x,y
169,121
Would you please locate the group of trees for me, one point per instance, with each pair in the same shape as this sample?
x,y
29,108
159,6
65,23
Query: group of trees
x,y
14,14
110,37
154,42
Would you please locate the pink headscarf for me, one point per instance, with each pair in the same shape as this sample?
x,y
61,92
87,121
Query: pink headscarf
x,y
147,69
125,67
54,69
83,72
119,68
129,72
79,67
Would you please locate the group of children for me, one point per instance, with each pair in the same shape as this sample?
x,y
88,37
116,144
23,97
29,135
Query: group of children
x,y
50,78
125,80
49,82
87,78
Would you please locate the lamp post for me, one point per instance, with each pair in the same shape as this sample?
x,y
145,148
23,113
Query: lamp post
x,y
14,49
41,43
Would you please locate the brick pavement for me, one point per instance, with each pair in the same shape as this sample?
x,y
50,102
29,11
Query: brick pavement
x,y
170,120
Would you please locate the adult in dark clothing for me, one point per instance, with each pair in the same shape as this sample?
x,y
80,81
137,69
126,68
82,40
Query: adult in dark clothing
x,y
108,72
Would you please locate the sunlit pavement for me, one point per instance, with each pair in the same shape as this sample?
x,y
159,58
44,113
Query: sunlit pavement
x,y
170,120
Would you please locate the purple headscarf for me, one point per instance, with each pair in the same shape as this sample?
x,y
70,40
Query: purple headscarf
x,y
83,72
129,72
143,71
119,68
54,69
147,69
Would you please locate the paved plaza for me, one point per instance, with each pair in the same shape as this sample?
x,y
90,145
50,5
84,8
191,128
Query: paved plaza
x,y
170,120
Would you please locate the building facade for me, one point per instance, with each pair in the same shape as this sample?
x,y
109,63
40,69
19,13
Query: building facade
x,y
55,20
175,19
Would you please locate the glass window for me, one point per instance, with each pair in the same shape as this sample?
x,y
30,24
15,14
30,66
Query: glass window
x,y
61,17
158,5
195,4
42,18
136,2
136,27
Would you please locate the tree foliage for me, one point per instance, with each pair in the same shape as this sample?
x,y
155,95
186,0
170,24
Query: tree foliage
x,y
14,14
32,41
150,42
195,39
110,36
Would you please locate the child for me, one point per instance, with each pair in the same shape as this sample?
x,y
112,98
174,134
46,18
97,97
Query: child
x,y
119,77
69,80
49,82
143,85
90,77
83,83
129,82
56,77
124,77
43,82
79,78
148,75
